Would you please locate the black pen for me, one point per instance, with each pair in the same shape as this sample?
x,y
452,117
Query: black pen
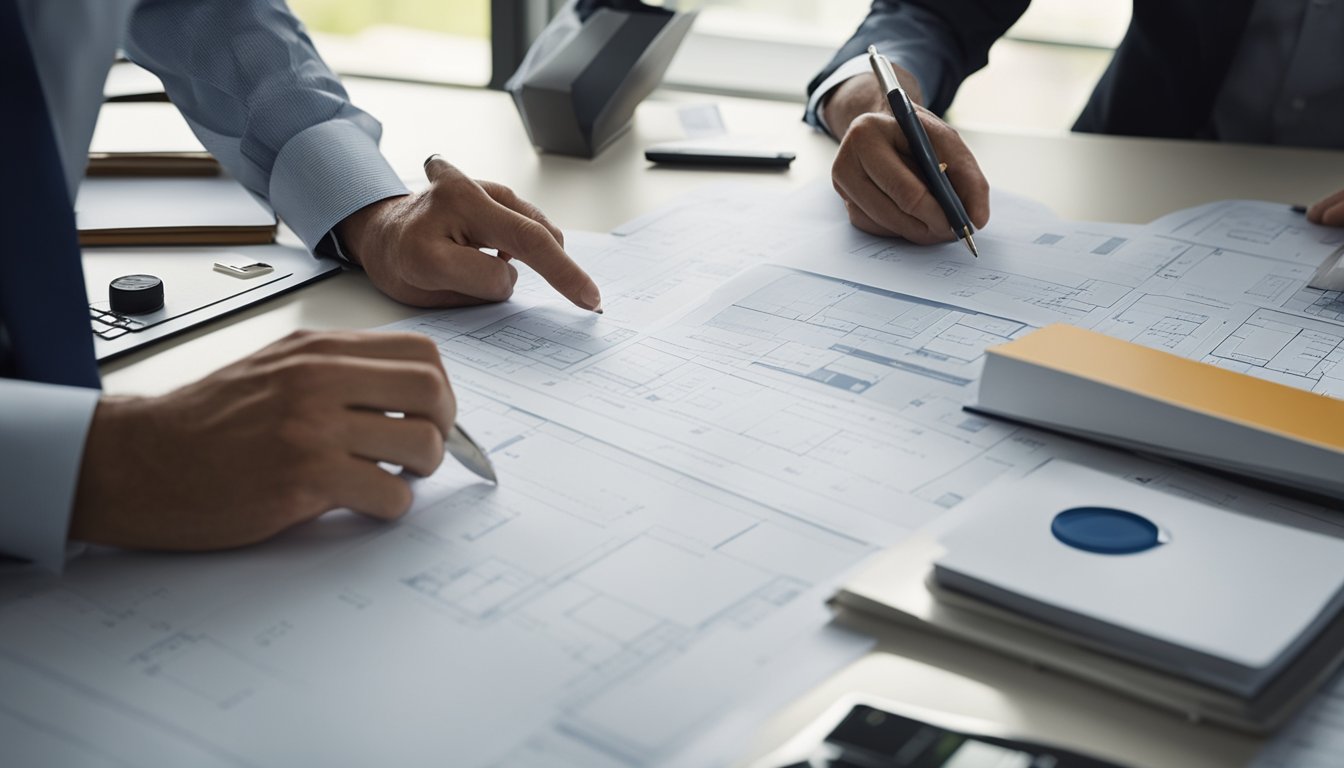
x,y
933,171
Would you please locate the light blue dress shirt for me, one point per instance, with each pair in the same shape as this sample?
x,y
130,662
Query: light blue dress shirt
x,y
252,86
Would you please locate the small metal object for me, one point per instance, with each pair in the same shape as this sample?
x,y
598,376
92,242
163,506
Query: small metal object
x,y
135,294
970,241
461,447
244,269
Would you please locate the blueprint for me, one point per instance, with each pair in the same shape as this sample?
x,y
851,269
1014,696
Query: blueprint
x,y
770,397
1041,272
598,608
1302,352
1318,303
1258,228
799,391
563,611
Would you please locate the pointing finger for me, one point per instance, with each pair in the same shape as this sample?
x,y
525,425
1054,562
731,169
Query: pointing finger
x,y
530,242
527,237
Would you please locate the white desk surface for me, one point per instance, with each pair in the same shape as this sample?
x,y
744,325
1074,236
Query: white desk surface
x,y
1084,177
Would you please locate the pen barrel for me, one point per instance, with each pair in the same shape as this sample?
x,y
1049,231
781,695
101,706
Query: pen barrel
x,y
926,162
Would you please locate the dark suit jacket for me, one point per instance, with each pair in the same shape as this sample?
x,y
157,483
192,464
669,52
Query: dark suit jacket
x,y
1163,81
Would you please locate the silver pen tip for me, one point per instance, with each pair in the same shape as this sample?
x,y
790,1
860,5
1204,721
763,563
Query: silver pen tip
x,y
970,241
460,445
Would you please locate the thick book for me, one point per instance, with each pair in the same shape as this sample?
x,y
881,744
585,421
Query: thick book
x,y
1084,383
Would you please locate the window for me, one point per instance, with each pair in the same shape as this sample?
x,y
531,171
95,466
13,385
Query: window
x,y
762,48
773,48
431,40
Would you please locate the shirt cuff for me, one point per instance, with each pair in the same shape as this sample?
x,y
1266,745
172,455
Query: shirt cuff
x,y
46,425
852,68
858,66
326,173
330,247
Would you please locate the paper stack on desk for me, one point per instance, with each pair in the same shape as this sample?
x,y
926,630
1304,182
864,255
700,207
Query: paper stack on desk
x,y
1223,616
122,145
171,211
1208,599
1088,384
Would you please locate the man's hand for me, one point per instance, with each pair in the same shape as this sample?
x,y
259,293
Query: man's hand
x,y
424,249
1328,211
875,176
269,442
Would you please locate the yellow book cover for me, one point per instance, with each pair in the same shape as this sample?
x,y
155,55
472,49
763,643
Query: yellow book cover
x,y
1083,382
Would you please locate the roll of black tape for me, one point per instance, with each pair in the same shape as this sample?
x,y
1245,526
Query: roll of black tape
x,y
136,294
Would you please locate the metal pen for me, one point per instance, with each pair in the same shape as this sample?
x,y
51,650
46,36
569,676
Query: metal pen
x,y
933,171
461,447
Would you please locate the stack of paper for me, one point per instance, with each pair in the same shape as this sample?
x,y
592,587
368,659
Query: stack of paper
x,y
122,146
1210,600
176,211
1211,622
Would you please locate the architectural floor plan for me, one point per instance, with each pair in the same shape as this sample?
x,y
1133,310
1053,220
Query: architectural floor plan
x,y
770,397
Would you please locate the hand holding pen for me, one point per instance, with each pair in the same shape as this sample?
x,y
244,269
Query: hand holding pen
x,y
878,171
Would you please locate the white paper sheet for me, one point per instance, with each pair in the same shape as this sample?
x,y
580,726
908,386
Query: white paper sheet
x,y
135,203
593,600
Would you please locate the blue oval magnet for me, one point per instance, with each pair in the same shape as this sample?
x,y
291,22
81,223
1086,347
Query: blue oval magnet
x,y
1106,531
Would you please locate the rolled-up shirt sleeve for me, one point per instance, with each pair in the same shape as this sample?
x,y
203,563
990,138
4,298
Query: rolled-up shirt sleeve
x,y
43,427
248,79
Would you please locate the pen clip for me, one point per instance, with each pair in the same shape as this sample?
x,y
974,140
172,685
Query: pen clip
x,y
885,74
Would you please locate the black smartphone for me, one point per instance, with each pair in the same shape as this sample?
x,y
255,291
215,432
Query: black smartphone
x,y
719,157
873,738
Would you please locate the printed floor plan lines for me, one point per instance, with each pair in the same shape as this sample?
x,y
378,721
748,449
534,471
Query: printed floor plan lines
x,y
1259,228
771,397
1327,305
846,335
1070,301
761,390
1229,276
504,611
841,334
1171,324
1299,351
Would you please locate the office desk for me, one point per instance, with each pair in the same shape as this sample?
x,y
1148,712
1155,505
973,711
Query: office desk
x,y
1079,176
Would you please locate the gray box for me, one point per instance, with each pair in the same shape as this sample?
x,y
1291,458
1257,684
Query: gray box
x,y
582,96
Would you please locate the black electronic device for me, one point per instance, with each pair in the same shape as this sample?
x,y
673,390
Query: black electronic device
x,y
714,157
866,736
135,294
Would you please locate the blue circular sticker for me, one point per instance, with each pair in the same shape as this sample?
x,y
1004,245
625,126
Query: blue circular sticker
x,y
1106,531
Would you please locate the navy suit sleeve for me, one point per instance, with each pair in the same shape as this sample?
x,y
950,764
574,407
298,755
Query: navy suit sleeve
x,y
940,41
